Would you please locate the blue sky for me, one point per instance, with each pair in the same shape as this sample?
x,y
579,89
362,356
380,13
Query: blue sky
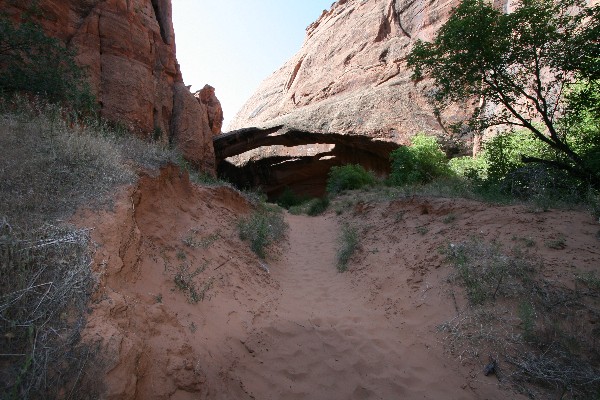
x,y
234,44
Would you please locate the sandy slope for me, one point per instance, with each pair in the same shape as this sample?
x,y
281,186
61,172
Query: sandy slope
x,y
326,340
302,331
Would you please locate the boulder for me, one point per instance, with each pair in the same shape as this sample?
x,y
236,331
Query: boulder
x,y
207,97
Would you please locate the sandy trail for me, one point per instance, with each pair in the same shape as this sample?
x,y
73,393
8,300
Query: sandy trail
x,y
323,340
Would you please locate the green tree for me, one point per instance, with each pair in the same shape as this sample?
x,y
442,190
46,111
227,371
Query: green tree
x,y
522,63
32,62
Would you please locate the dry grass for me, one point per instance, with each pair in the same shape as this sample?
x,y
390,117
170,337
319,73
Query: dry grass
x,y
45,283
50,168
542,332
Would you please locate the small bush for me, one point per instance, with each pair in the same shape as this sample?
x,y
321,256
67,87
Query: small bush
x,y
318,206
263,227
471,168
348,242
348,177
289,199
485,271
422,162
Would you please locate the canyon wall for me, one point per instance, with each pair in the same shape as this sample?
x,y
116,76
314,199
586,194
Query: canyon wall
x,y
350,76
128,50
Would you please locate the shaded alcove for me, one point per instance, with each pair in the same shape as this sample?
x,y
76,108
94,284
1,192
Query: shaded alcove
x,y
303,174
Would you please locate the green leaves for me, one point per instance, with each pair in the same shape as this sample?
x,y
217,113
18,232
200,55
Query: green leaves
x,y
419,163
520,65
348,177
31,61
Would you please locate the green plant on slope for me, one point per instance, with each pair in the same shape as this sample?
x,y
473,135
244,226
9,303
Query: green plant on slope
x,y
348,242
521,61
263,227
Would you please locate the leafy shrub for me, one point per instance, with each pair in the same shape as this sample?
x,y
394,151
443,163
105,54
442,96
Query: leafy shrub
x,y
472,168
35,63
348,177
263,227
503,153
422,162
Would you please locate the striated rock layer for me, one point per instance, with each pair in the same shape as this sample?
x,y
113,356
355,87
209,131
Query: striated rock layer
x,y
128,49
350,75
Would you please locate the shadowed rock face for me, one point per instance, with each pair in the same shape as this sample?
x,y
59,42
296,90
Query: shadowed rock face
x,y
350,75
128,49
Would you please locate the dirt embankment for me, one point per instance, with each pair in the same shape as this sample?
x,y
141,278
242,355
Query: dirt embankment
x,y
185,311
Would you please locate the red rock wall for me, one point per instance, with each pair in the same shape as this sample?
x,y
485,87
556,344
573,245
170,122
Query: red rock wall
x,y
128,48
350,75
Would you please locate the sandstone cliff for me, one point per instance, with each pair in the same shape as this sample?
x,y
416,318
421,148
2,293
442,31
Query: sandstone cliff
x,y
128,49
350,75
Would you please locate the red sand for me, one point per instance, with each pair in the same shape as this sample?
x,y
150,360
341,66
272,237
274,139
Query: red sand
x,y
302,331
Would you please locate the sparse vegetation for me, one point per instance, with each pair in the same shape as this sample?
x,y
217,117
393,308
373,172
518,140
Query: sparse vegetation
x,y
185,280
263,227
422,230
192,240
548,344
558,243
348,242
449,218
486,272
312,207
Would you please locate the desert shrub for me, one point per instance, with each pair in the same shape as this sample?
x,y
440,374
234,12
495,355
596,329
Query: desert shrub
x,y
50,167
35,63
348,242
551,346
263,227
318,206
348,177
45,283
485,271
421,162
289,199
